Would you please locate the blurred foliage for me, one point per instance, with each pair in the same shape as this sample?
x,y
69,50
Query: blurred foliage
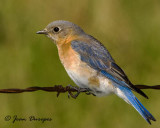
x,y
129,29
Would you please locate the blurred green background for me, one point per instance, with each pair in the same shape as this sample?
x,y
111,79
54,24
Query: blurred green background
x,y
129,29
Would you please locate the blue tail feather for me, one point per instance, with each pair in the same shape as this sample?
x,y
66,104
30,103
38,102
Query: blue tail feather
x,y
137,105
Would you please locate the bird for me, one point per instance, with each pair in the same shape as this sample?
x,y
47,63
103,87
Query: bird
x,y
90,65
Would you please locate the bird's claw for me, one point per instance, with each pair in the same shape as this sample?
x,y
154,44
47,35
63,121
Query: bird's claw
x,y
71,94
90,93
79,90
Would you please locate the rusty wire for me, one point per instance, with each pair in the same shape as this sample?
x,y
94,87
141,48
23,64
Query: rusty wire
x,y
60,89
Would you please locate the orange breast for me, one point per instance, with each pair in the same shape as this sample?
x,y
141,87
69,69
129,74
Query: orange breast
x,y
67,55
72,63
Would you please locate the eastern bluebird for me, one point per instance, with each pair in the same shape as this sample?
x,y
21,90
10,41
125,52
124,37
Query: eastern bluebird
x,y
90,65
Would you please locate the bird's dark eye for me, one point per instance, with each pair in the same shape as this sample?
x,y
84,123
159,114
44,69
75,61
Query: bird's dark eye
x,y
56,29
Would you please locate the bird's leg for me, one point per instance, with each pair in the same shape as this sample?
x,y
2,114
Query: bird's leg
x,y
79,90
71,94
90,92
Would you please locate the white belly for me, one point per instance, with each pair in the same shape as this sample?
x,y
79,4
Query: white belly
x,y
105,86
80,80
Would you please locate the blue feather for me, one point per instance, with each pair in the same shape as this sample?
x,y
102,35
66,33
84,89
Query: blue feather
x,y
131,98
109,76
136,104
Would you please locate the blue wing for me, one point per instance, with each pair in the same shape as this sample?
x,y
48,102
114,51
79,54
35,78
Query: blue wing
x,y
97,57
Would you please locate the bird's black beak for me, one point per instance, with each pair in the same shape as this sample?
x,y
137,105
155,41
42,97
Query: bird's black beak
x,y
42,32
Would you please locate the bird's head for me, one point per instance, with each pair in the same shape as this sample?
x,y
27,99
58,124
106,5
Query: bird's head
x,y
60,30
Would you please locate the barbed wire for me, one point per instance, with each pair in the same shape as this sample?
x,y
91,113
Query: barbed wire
x,y
70,89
